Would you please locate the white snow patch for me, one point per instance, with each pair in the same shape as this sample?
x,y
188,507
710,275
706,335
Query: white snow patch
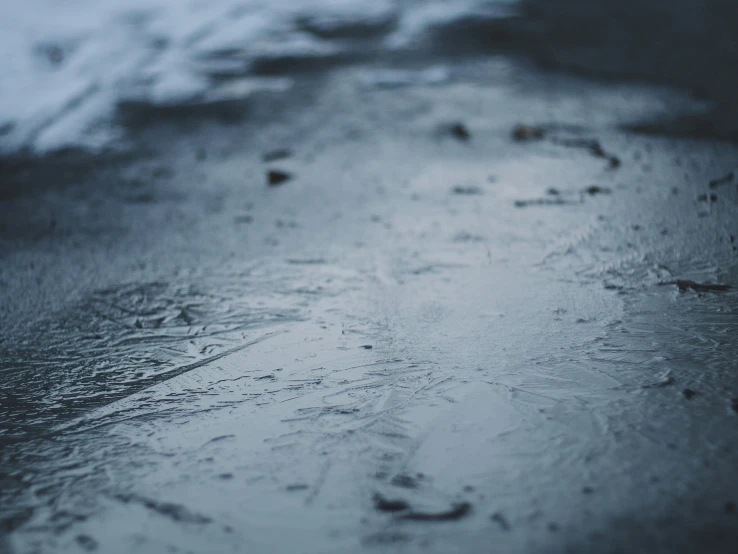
x,y
65,67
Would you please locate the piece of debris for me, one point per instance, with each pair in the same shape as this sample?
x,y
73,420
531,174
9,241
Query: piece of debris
x,y
456,512
468,190
383,504
704,198
463,236
297,487
306,261
685,284
734,404
366,346
526,132
276,177
724,180
407,481
594,189
501,520
553,192
275,155
540,202
176,512
689,393
553,527
87,542
220,438
593,146
53,53
459,131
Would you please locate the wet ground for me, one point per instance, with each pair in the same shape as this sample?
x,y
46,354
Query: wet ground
x,y
387,310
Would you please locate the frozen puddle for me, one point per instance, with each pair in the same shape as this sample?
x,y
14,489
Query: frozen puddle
x,y
343,389
132,337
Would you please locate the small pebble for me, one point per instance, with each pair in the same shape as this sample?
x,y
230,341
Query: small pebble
x,y
501,520
526,132
460,131
276,177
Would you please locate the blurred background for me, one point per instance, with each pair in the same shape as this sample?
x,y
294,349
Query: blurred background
x,y
69,70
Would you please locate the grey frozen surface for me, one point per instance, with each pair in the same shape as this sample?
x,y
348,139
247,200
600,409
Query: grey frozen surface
x,y
432,337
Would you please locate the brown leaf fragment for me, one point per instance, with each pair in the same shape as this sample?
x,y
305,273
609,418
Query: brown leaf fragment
x,y
276,177
724,180
527,132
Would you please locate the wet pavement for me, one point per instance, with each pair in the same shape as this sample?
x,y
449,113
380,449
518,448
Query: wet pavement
x,y
418,327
